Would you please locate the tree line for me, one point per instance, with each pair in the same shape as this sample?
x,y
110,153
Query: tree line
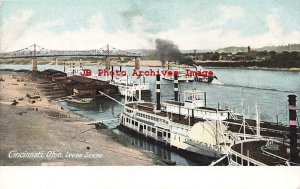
x,y
270,59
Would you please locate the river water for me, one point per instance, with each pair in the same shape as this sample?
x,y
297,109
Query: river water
x,y
268,88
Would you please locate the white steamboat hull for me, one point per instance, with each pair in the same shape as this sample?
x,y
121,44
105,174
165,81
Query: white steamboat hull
x,y
178,141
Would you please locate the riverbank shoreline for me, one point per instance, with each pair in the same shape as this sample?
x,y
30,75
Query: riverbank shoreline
x,y
58,135
257,68
157,63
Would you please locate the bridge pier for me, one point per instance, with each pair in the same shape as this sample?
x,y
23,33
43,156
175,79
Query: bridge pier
x,y
136,63
34,64
107,62
80,63
163,63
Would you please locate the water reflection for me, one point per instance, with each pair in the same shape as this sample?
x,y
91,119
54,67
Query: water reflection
x,y
101,108
162,152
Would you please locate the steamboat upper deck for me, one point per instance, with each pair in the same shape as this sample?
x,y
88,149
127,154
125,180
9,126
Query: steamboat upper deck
x,y
203,108
149,108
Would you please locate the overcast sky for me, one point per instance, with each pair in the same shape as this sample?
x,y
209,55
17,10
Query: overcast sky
x,y
132,24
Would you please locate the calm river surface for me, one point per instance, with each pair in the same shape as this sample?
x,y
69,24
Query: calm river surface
x,y
268,88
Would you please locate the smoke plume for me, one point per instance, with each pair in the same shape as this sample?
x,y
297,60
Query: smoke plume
x,y
168,51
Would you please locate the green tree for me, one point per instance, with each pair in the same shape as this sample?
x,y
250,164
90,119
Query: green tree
x,y
215,56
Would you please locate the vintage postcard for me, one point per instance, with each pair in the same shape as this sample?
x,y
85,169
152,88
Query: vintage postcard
x,y
150,83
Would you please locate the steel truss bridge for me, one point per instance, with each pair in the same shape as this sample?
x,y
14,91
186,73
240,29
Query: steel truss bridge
x,y
35,51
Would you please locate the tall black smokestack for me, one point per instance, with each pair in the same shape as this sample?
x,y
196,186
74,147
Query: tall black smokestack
x,y
73,68
293,128
176,87
112,73
193,117
158,92
205,99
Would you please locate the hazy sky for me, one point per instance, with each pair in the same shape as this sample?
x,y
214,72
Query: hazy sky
x,y
132,24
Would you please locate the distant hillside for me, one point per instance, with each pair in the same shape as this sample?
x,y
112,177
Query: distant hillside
x,y
151,51
191,51
147,51
281,48
289,47
232,49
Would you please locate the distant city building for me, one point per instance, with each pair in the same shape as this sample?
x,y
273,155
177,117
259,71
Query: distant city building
x,y
238,58
226,56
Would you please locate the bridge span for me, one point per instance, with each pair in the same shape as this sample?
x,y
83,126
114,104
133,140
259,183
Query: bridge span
x,y
36,51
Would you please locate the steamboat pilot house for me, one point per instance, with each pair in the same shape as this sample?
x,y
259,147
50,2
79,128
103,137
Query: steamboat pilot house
x,y
195,100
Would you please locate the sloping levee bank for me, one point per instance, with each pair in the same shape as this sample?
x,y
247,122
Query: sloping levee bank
x,y
41,132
